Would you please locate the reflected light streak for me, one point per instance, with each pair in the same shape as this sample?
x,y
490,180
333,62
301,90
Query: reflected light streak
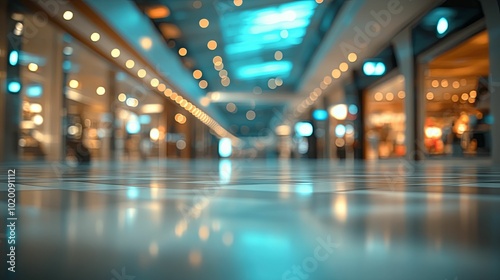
x,y
340,208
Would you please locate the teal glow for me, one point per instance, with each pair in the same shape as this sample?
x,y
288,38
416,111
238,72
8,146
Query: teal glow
x,y
371,68
442,26
320,115
250,33
14,87
34,91
144,119
303,129
274,68
225,147
132,193
133,126
13,58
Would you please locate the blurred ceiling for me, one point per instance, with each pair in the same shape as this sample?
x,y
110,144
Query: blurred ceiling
x,y
255,47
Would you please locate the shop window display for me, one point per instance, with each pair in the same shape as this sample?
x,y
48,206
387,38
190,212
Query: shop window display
x,y
385,119
457,101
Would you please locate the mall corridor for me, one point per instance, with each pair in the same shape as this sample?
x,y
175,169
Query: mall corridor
x,y
250,139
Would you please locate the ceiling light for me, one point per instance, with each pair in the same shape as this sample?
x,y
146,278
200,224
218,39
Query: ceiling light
x,y
95,37
146,43
115,53
204,23
278,55
250,115
157,11
154,82
130,64
33,67
100,91
344,67
203,84
73,84
141,73
212,45
162,87
197,74
68,15
336,73
238,3
352,57
183,51
122,97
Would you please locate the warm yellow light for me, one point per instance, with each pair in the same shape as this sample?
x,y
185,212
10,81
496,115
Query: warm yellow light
x,y
115,53
319,1
336,73
33,67
344,67
379,96
73,84
154,82
435,83
278,55
157,12
456,84
180,118
212,45
217,60
444,83
389,96
167,92
122,97
219,66
455,98
130,64
179,99
204,23
225,82
401,95
473,94
100,91
223,73
430,96
238,3
141,73
465,96
352,57
146,43
95,37
327,80
197,74
203,84
68,15
162,87
183,51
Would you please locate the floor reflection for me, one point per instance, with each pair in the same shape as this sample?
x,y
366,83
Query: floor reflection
x,y
259,220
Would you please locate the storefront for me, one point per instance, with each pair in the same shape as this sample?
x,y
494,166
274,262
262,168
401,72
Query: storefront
x,y
77,105
385,119
457,120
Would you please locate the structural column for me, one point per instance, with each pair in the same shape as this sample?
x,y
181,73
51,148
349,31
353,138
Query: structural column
x,y
492,12
414,103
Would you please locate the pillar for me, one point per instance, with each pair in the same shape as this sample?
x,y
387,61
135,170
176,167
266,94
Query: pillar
x,y
492,13
414,102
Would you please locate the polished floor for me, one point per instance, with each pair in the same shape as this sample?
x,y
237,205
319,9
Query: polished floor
x,y
256,219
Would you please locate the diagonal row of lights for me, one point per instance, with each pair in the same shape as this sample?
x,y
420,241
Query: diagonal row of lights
x,y
163,88
327,80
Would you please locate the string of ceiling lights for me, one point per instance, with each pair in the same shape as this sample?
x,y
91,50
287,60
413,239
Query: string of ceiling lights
x,y
155,81
336,73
